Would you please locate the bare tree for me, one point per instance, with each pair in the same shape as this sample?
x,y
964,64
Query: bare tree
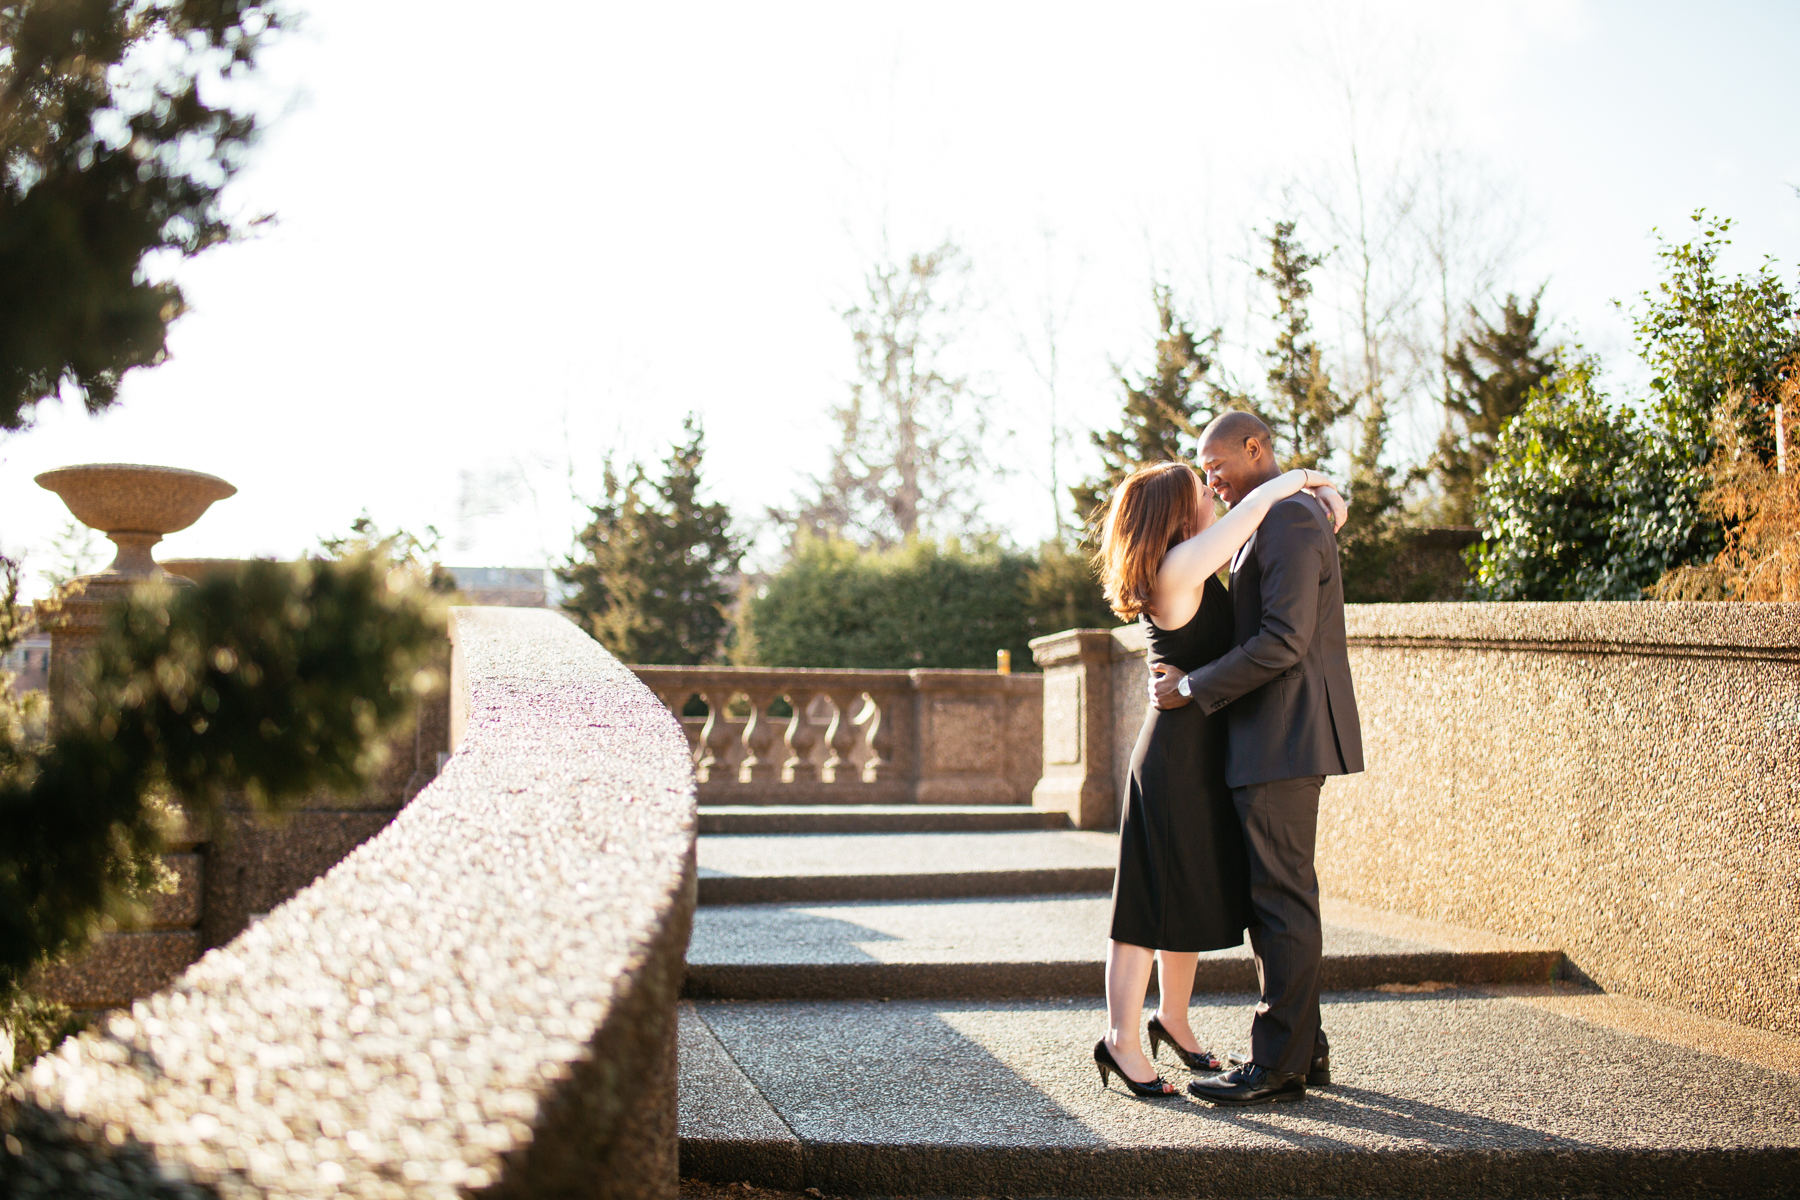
x,y
911,432
1422,235
1039,336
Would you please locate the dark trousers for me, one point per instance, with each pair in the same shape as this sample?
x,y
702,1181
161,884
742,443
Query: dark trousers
x,y
1281,822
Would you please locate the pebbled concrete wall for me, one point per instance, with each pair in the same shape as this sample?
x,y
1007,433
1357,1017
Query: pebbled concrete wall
x,y
480,1000
1621,780
250,863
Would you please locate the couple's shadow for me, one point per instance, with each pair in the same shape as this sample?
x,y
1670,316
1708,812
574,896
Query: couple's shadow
x,y
1360,1110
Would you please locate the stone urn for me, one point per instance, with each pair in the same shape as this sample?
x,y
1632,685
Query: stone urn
x,y
135,507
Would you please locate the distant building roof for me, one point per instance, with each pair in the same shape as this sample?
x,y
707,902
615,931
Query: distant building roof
x,y
507,587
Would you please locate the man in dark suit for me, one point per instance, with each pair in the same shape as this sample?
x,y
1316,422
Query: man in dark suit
x,y
1291,717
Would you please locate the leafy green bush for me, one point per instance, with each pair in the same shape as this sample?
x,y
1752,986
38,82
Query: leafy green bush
x,y
268,684
1584,500
917,605
1590,500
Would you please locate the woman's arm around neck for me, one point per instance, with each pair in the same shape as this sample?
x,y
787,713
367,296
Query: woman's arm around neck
x,y
1188,565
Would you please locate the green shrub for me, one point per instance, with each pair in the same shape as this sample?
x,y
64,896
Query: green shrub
x,y
917,605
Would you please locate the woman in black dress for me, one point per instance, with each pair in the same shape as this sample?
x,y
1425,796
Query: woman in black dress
x,y
1183,880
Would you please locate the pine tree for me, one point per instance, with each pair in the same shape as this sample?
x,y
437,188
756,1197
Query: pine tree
x,y
1492,371
1161,410
656,566
1303,405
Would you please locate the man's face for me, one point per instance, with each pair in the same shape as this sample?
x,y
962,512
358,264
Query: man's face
x,y
1234,466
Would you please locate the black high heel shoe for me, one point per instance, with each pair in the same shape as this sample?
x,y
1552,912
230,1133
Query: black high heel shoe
x,y
1154,1090
1203,1061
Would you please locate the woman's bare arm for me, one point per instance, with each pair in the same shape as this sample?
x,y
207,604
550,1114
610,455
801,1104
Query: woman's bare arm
x,y
1188,564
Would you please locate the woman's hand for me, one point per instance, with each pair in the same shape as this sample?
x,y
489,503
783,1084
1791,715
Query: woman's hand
x,y
1163,681
1335,505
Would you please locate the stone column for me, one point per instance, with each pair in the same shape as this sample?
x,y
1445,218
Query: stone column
x,y
1078,727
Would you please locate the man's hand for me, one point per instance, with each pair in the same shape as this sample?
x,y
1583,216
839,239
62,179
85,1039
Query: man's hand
x,y
1163,679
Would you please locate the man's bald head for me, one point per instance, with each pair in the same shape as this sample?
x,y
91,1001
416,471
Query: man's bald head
x,y
1235,426
1237,452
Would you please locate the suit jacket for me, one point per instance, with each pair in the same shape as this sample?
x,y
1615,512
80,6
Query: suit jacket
x,y
1292,712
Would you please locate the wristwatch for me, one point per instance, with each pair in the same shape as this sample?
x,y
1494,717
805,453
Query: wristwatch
x,y
1184,689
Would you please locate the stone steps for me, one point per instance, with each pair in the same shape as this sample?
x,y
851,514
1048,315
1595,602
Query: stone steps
x,y
819,867
875,818
1046,945
901,1014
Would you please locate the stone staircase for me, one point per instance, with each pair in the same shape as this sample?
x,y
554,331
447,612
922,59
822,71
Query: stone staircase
x,y
903,1000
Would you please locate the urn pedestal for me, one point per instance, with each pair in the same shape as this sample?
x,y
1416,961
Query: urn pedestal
x,y
135,507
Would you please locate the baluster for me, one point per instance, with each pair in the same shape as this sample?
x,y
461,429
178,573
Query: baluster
x,y
759,765
802,736
878,729
715,737
840,736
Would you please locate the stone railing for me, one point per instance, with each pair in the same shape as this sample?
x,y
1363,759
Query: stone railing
x,y
1621,780
858,737
479,1000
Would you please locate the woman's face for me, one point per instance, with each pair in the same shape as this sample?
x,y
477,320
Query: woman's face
x,y
1207,506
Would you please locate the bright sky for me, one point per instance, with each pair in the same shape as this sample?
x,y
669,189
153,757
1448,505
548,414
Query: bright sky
x,y
508,245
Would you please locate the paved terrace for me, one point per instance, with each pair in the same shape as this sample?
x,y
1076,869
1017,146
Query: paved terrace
x,y
912,1020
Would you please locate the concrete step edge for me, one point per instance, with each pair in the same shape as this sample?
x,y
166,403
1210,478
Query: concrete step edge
x,y
935,885
893,818
1565,1168
1024,980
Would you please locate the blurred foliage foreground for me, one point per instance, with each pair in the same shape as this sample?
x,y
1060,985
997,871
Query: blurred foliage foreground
x,y
260,687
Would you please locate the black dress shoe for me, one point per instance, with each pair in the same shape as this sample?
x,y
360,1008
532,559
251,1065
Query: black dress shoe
x,y
1250,1084
1318,1074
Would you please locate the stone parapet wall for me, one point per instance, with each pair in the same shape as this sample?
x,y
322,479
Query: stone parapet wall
x,y
1621,780
479,1000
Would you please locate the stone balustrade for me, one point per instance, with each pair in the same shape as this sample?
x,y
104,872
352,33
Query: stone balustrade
x,y
479,1000
857,737
1618,779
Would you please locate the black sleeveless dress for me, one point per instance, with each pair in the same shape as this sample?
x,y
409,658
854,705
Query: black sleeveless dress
x,y
1184,878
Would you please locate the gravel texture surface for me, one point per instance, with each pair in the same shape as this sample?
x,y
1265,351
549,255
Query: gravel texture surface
x,y
481,998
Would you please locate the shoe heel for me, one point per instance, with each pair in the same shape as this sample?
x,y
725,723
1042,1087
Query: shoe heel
x,y
1318,1078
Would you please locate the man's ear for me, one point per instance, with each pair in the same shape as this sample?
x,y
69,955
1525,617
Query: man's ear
x,y
1253,448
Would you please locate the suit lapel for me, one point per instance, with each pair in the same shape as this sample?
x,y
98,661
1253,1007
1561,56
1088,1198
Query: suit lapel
x,y
1237,560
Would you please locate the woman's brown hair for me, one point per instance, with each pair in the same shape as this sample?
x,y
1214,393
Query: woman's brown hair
x,y
1151,510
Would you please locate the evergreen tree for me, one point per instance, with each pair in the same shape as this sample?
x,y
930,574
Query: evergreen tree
x,y
655,569
1303,405
111,150
1492,370
1161,409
